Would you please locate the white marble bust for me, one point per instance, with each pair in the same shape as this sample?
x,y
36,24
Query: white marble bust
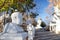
x,y
14,26
31,31
13,30
38,23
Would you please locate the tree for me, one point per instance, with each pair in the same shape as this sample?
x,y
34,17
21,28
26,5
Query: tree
x,y
21,5
33,15
5,4
43,24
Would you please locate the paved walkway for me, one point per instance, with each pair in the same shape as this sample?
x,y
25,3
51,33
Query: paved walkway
x,y
46,35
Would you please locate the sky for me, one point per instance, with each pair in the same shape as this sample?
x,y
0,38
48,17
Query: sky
x,y
40,8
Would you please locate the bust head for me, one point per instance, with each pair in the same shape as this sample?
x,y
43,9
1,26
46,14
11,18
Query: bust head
x,y
16,18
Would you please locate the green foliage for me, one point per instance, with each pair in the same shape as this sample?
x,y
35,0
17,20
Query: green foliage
x,y
21,5
33,15
5,4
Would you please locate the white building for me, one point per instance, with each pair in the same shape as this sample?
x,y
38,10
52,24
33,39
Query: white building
x,y
55,22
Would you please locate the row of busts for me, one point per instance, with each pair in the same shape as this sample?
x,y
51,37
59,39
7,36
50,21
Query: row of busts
x,y
38,23
15,28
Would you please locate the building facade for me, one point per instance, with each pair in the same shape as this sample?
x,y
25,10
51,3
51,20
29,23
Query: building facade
x,y
55,22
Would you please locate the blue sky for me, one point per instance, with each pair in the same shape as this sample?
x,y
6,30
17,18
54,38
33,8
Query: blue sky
x,y
40,8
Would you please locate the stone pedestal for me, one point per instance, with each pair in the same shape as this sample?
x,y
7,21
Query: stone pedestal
x,y
13,36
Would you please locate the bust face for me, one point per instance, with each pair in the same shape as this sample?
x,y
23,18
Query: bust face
x,y
17,18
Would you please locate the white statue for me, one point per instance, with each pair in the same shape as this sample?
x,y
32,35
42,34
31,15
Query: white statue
x,y
38,24
14,30
31,32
